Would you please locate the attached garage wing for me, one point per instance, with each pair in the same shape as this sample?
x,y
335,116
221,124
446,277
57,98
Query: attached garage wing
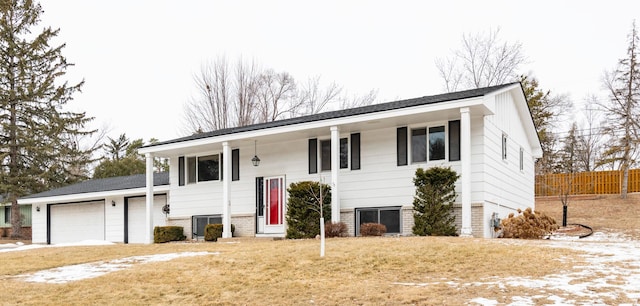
x,y
76,222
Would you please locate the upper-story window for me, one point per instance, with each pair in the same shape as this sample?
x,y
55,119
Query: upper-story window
x,y
325,154
203,168
431,143
504,147
428,144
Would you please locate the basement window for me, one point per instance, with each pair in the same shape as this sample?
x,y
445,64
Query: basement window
x,y
389,216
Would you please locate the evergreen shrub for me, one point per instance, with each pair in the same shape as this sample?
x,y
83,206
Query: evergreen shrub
x,y
163,234
433,202
214,231
303,209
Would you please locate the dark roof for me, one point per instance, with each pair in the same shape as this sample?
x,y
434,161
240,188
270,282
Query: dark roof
x,y
105,184
472,93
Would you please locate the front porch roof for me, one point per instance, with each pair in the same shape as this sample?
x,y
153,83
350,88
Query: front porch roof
x,y
443,106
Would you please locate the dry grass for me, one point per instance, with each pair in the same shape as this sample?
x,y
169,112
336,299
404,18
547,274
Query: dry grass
x,y
355,271
361,271
607,213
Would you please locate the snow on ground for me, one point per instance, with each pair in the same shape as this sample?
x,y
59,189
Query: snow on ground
x,y
71,273
612,270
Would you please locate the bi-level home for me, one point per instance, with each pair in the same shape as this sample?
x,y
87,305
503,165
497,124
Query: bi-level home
x,y
368,155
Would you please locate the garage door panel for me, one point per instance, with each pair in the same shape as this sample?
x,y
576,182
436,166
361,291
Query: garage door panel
x,y
137,217
77,222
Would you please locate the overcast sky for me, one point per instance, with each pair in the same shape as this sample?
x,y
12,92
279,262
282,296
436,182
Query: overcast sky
x,y
138,58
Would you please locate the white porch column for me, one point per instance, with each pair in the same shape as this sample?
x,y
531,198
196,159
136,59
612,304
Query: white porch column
x,y
149,196
335,168
465,176
226,185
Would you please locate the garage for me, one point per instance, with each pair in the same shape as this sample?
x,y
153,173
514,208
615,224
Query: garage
x,y
136,217
76,222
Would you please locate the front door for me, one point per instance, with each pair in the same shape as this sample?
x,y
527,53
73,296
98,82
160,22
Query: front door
x,y
274,205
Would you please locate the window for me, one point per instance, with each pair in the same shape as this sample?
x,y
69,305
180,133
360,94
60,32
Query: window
x,y
235,164
199,222
436,143
313,156
7,214
204,168
521,159
355,151
208,168
389,216
325,154
504,147
401,146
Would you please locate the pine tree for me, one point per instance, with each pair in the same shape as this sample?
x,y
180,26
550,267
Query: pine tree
x,y
303,209
623,111
433,203
37,146
121,158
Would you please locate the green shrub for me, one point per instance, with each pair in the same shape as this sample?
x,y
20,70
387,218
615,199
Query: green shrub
x,y
214,231
163,234
372,229
433,203
332,229
303,210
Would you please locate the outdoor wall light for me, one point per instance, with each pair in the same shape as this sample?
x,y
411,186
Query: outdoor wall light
x,y
255,160
113,203
38,208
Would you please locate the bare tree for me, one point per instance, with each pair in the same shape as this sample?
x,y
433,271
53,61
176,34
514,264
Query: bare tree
x,y
209,109
482,60
351,101
276,95
246,88
314,98
623,109
590,136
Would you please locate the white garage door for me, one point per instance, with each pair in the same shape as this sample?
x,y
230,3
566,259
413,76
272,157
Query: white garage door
x,y
137,217
77,222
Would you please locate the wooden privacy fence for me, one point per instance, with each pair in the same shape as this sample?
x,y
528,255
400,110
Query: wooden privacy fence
x,y
596,182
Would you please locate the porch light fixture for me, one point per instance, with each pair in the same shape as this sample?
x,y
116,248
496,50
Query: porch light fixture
x,y
38,208
113,203
255,160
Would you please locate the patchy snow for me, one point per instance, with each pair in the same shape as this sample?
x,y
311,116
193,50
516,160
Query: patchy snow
x,y
612,271
71,273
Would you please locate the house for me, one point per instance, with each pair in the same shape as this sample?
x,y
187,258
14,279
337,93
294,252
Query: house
x,y
111,209
5,219
368,155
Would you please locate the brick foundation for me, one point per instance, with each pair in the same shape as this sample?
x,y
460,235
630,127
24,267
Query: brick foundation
x,y
5,232
245,225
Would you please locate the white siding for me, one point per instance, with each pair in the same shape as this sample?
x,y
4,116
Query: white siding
x,y
504,183
39,223
114,219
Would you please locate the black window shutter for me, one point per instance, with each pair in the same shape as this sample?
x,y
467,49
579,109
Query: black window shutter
x,y
313,156
235,164
221,166
259,199
355,151
181,171
454,140
401,145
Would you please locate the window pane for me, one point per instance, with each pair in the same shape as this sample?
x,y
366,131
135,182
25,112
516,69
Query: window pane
x,y
454,140
391,219
344,153
191,169
325,154
208,168
418,145
201,222
368,216
401,146
355,151
436,143
7,214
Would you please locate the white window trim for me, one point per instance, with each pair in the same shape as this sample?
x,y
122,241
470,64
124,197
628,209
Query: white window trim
x,y
521,159
410,128
196,156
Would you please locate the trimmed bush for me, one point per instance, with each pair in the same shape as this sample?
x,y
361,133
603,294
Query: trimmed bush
x,y
214,231
372,229
433,203
335,229
163,234
528,225
303,209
